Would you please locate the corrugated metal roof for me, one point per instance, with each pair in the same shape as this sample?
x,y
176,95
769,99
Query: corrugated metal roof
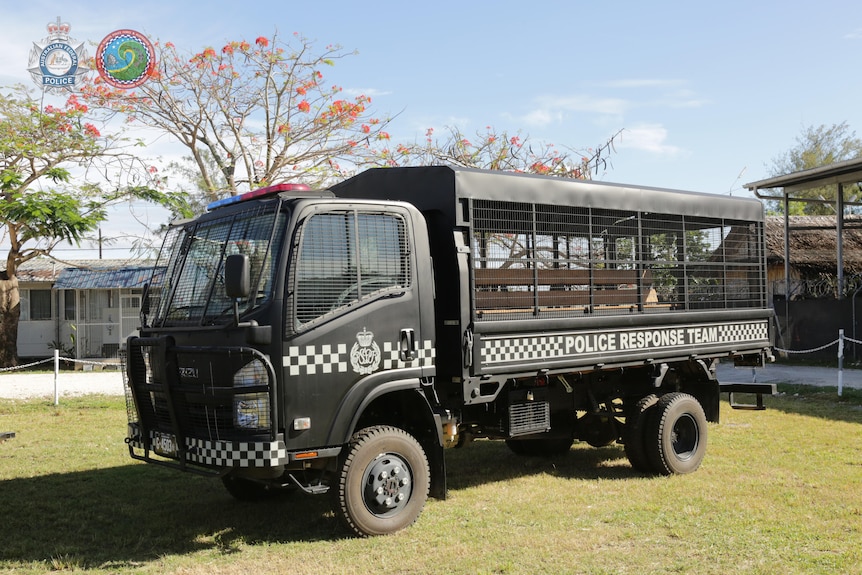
x,y
846,172
39,270
128,277
48,270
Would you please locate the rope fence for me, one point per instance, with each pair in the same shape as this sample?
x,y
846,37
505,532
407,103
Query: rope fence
x,y
63,359
56,361
839,342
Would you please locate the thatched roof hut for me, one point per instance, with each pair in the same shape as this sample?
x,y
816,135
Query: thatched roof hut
x,y
813,244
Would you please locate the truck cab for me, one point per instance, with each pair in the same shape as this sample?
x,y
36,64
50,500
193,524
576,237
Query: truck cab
x,y
273,323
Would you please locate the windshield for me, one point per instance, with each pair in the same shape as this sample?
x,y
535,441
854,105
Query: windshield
x,y
188,283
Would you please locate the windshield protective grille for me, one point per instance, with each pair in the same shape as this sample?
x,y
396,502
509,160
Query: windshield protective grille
x,y
347,258
192,291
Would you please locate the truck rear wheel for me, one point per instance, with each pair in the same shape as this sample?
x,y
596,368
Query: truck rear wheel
x,y
676,434
633,432
383,481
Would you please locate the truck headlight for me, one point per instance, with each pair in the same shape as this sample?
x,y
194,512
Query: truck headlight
x,y
251,410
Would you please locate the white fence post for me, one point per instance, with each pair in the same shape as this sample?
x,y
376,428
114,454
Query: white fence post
x,y
56,374
840,362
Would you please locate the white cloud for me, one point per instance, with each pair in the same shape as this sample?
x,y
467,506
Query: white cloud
x,y
580,103
550,109
370,92
540,117
854,34
642,83
672,93
681,99
16,55
650,138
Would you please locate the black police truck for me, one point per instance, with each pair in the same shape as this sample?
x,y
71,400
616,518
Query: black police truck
x,y
338,341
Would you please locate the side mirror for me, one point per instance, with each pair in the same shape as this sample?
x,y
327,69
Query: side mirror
x,y
237,283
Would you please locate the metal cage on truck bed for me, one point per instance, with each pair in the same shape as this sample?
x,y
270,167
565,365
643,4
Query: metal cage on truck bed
x,y
627,274
544,260
548,247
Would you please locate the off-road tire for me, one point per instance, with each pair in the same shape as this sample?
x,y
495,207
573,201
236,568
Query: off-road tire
x,y
634,439
676,435
382,481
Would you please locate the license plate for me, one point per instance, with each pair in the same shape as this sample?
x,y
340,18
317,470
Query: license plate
x,y
164,444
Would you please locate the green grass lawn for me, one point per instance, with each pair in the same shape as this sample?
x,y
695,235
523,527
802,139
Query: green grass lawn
x,y
780,491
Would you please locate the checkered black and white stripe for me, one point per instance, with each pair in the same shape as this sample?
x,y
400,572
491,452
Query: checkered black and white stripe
x,y
231,453
520,348
741,332
313,359
237,453
424,357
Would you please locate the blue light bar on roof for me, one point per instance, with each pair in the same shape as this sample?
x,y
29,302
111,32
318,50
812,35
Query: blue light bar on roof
x,y
259,193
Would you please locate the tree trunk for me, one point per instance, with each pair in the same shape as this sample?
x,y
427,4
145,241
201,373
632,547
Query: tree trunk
x,y
10,312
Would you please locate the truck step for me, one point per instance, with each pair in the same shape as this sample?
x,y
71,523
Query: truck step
x,y
756,389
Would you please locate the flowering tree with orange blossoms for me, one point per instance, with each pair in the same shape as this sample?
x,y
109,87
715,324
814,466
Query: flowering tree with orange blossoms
x,y
54,162
492,150
251,113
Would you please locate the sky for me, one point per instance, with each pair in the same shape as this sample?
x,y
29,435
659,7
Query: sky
x,y
706,95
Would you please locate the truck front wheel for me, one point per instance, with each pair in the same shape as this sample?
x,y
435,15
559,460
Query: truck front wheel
x,y
676,434
382,481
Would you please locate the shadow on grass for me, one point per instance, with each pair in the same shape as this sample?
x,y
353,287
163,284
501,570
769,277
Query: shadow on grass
x,y
136,513
484,462
128,515
817,401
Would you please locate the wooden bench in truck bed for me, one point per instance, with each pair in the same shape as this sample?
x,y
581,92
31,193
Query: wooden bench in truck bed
x,y
510,289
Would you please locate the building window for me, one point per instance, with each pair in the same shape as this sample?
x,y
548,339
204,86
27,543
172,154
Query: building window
x,y
69,305
130,304
100,301
35,304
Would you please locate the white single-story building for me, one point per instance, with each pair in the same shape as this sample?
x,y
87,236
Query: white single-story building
x,y
84,308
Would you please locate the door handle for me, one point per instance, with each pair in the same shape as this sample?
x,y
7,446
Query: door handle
x,y
407,345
